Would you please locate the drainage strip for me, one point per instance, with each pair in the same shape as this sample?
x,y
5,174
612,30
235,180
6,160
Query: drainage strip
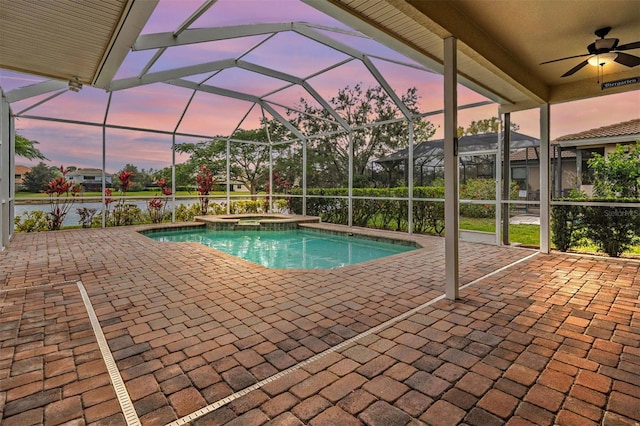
x,y
224,401
130,415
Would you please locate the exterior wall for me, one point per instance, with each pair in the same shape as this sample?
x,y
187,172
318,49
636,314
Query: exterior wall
x,y
7,172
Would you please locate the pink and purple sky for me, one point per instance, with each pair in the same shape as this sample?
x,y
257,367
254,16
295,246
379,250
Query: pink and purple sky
x,y
159,106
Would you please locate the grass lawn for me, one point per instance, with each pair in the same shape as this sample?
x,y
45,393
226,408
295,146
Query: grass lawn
x,y
523,234
527,234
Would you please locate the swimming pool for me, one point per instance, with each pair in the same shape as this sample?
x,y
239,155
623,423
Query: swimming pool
x,y
292,249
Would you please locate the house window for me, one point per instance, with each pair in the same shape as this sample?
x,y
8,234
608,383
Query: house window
x,y
89,177
587,172
519,176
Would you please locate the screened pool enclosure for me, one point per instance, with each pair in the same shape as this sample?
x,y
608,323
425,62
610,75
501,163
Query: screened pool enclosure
x,y
282,84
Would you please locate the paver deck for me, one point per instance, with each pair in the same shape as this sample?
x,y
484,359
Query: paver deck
x,y
201,337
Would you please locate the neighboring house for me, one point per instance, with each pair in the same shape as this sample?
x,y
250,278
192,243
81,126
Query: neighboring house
x,y
20,171
477,160
602,140
91,179
569,159
234,185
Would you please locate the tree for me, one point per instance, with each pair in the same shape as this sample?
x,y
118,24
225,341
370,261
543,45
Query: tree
x,y
26,148
486,125
184,175
328,156
618,174
40,175
249,162
139,179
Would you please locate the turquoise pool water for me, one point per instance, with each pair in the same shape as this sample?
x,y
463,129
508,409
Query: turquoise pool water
x,y
295,249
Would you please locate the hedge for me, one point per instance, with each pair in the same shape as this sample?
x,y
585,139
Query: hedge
x,y
611,228
428,216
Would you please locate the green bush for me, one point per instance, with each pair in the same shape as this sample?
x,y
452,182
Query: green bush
x,y
481,189
34,221
612,229
376,212
565,224
249,206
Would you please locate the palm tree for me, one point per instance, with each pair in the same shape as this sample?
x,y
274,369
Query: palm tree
x,y
26,148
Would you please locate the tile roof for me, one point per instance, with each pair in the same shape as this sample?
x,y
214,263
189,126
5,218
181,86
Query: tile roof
x,y
532,154
631,127
20,169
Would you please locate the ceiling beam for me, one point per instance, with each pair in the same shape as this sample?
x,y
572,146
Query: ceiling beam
x,y
131,23
35,90
171,74
202,35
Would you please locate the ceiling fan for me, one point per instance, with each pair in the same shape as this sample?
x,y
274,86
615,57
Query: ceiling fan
x,y
603,51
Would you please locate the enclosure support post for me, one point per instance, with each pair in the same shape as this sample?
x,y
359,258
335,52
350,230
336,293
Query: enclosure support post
x,y
558,171
270,177
451,207
545,198
578,168
350,179
304,177
228,177
173,177
103,220
410,179
506,178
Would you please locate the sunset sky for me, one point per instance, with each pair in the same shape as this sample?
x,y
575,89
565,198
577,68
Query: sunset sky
x,y
159,106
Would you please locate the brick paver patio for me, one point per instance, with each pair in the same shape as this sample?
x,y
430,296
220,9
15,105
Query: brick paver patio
x,y
552,339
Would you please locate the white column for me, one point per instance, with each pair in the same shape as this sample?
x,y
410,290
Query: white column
x,y
451,169
545,196
7,171
506,176
498,168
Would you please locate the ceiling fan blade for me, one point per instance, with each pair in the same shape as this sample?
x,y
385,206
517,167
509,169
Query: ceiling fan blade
x,y
629,46
575,69
568,57
628,60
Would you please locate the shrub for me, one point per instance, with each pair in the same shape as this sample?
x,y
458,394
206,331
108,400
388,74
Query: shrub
x,y
376,212
249,206
61,194
34,221
86,216
612,229
565,222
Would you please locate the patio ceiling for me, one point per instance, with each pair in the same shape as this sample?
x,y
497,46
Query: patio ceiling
x,y
81,41
501,43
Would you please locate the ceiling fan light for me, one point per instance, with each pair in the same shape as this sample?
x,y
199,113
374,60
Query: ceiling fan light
x,y
602,59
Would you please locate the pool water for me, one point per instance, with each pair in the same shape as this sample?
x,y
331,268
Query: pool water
x,y
294,249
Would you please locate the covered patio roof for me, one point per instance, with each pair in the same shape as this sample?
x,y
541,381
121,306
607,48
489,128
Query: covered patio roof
x,y
500,44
